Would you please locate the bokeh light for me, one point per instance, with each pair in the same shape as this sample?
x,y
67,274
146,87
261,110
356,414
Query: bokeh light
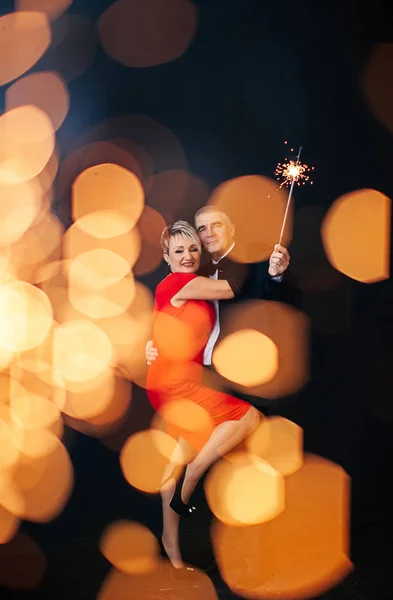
x,y
128,31
24,37
186,419
19,206
150,227
378,85
235,489
47,91
256,207
8,525
247,357
108,186
288,329
279,442
25,316
73,48
301,553
176,193
192,584
38,487
154,147
52,8
26,143
81,351
146,475
356,235
130,547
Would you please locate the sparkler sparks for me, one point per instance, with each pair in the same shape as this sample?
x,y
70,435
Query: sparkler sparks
x,y
293,171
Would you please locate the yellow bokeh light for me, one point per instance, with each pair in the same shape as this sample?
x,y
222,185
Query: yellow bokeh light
x,y
280,443
246,357
96,269
81,351
47,91
108,186
356,235
301,553
146,474
27,142
128,31
130,547
245,491
24,37
25,316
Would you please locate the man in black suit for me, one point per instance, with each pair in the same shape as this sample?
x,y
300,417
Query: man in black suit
x,y
249,282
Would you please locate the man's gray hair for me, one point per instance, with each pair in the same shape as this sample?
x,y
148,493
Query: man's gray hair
x,y
178,228
211,208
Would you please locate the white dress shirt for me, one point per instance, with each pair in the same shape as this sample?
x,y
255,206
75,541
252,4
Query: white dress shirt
x,y
208,353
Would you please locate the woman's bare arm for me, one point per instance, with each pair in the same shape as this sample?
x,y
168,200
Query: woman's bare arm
x,y
203,288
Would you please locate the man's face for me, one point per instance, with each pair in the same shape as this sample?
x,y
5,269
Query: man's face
x,y
215,231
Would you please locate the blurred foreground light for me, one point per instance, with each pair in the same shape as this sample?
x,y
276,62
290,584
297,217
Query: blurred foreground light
x,y
27,142
286,329
96,269
150,227
52,8
245,491
190,585
246,357
174,191
73,48
356,235
300,554
130,547
81,351
38,487
25,316
108,186
24,37
256,207
78,239
279,442
128,31
8,526
185,419
46,91
20,203
378,85
146,474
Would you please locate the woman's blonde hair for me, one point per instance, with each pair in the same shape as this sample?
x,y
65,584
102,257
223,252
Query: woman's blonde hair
x,y
178,228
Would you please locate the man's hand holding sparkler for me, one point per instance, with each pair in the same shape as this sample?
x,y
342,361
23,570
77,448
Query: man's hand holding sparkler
x,y
279,261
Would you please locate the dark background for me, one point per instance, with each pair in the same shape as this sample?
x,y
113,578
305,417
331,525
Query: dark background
x,y
256,74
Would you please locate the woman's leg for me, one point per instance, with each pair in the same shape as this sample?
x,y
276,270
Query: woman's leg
x,y
223,439
170,533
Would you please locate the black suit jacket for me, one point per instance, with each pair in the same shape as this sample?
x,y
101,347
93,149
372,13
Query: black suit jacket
x,y
248,282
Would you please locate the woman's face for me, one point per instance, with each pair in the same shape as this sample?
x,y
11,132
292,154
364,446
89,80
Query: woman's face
x,y
184,255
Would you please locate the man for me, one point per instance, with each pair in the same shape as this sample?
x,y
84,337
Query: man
x,y
255,281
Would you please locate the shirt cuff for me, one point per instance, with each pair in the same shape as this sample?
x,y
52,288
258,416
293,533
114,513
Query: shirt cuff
x,y
278,279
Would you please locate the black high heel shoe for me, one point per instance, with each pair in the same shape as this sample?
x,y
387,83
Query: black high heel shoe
x,y
177,504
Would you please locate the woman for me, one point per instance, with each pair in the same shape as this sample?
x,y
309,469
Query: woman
x,y
183,298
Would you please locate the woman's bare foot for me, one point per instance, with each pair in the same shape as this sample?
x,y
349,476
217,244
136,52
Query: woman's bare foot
x,y
173,552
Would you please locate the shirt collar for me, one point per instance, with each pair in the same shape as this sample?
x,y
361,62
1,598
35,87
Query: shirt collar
x,y
215,262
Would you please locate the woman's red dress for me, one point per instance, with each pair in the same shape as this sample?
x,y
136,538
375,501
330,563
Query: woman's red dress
x,y
180,335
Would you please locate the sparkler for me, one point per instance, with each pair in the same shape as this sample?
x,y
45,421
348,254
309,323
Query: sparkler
x,y
291,172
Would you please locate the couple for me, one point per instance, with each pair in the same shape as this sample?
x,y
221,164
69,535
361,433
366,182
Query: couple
x,y
195,300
